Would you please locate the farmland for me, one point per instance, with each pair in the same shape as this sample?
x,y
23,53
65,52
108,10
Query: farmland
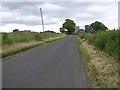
x,y
11,38
16,42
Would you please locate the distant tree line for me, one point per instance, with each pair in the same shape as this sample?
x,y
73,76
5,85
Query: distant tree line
x,y
69,26
16,30
96,26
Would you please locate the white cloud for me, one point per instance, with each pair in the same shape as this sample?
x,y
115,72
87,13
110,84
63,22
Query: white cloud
x,y
54,14
5,14
96,8
50,7
83,15
61,0
28,18
22,27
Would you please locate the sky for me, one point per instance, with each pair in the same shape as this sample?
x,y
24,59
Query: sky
x,y
26,15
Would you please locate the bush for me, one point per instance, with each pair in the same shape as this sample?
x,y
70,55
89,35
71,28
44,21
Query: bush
x,y
16,30
11,38
108,41
38,37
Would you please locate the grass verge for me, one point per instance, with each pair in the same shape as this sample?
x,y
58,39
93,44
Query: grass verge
x,y
101,69
26,47
108,41
85,57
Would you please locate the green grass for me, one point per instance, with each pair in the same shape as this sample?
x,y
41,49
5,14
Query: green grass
x,y
108,41
15,51
82,52
86,59
0,39
11,38
8,39
6,54
96,78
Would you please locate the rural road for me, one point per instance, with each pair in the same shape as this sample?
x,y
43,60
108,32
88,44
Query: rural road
x,y
54,65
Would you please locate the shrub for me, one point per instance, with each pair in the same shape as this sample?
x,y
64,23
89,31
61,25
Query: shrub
x,y
108,41
11,38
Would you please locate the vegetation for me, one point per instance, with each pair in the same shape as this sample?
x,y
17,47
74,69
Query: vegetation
x,y
100,50
0,44
20,41
108,41
69,25
101,68
16,30
8,50
87,28
62,30
99,26
11,38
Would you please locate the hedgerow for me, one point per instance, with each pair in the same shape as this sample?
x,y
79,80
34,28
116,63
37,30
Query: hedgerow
x,y
108,41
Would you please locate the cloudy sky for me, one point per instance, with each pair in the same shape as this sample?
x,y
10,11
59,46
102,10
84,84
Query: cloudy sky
x,y
26,15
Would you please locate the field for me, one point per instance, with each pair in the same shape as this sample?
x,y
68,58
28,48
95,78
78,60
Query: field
x,y
109,41
11,38
16,42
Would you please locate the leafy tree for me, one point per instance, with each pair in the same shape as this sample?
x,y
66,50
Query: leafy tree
x,y
62,30
96,26
87,28
69,25
16,30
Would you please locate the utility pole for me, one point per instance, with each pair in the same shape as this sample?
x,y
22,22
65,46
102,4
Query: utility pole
x,y
42,19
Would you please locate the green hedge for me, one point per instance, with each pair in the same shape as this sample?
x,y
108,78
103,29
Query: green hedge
x,y
108,41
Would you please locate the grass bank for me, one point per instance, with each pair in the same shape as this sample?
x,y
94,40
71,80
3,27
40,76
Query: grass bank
x,y
108,41
102,69
16,37
20,43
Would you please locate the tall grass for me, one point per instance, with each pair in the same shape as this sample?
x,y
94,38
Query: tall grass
x,y
11,38
0,40
108,41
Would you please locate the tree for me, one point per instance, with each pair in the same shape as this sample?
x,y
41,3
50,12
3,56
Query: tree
x,y
97,26
62,30
87,28
69,25
16,30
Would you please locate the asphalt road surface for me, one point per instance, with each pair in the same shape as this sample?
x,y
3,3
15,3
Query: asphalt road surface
x,y
54,65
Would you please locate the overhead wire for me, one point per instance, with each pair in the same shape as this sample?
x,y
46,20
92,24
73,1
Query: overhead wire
x,y
43,12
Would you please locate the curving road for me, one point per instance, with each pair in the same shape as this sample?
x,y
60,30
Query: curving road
x,y
54,65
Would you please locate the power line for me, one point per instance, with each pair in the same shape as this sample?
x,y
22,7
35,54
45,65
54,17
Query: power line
x,y
42,11
51,19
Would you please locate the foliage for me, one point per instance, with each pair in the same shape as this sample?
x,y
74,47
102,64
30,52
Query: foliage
x,y
69,25
38,37
26,47
108,41
11,38
62,30
98,26
87,28
16,30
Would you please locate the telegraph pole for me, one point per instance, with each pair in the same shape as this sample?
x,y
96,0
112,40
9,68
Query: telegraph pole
x,y
42,19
